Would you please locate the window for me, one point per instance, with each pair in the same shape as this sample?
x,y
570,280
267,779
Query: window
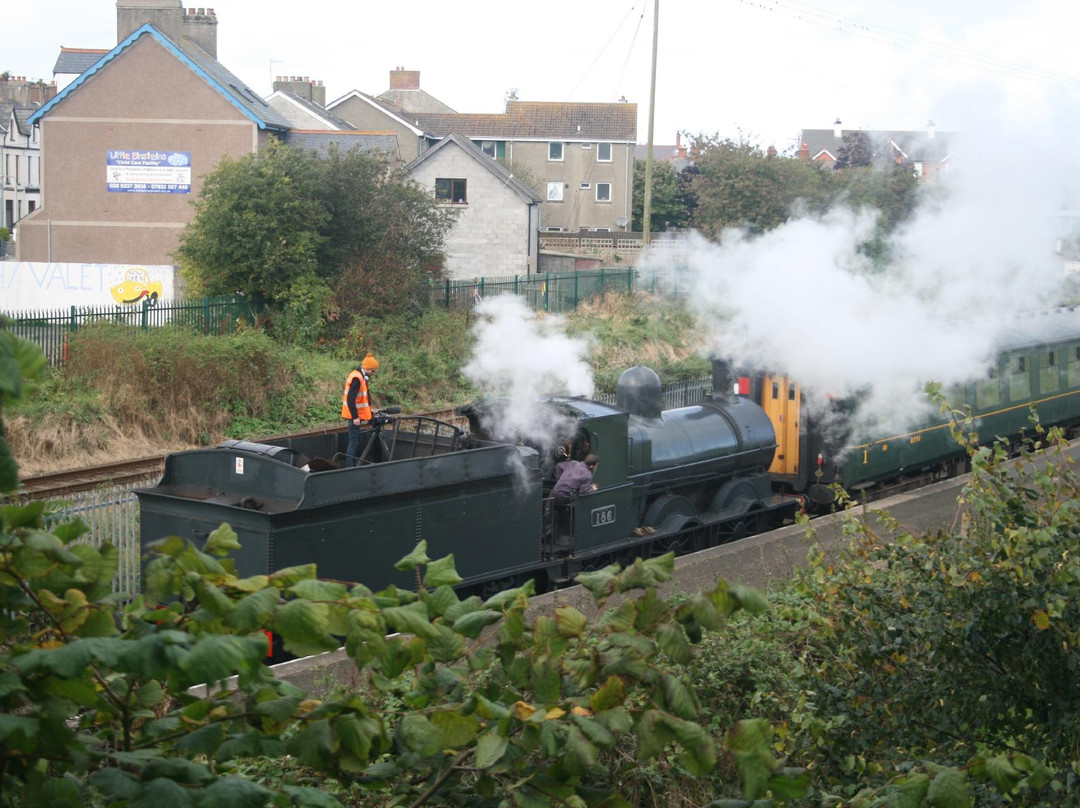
x,y
553,229
555,151
603,230
1072,366
988,390
603,152
1019,378
554,192
586,146
488,147
603,192
585,186
451,191
1048,372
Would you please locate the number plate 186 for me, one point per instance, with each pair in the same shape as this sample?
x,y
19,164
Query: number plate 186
x,y
602,516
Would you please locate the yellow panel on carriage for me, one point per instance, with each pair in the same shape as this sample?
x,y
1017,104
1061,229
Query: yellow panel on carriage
x,y
781,399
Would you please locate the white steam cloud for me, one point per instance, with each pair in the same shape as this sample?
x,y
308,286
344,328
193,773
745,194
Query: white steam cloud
x,y
520,356
802,299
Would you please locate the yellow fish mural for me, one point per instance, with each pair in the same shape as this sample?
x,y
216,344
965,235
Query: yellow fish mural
x,y
136,286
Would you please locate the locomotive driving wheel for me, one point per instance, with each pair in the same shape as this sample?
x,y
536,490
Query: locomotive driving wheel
x,y
662,513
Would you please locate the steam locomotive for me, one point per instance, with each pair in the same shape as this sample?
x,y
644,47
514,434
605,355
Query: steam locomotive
x,y
682,480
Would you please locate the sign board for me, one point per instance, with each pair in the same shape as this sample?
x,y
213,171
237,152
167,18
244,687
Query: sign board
x,y
37,286
147,171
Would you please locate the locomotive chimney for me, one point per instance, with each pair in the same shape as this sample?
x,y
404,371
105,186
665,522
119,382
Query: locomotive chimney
x,y
639,393
723,378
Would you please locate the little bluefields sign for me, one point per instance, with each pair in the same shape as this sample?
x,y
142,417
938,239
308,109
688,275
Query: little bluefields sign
x,y
148,171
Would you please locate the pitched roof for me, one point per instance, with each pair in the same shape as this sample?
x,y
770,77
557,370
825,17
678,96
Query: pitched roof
x,y
495,167
202,64
311,108
539,120
320,141
77,60
910,146
397,113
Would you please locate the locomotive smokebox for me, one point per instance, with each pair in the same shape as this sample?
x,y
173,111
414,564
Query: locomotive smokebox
x,y
639,393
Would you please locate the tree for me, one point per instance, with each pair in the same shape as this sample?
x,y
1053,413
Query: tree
x,y
303,232
857,150
669,204
739,185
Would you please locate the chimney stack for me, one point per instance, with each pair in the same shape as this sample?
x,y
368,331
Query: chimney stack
x,y
804,151
402,79
930,129
837,129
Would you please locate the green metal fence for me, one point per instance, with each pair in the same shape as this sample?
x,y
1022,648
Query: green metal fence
x,y
562,292
557,293
208,315
553,292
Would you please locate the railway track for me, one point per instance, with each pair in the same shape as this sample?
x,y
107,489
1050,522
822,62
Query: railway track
x,y
63,483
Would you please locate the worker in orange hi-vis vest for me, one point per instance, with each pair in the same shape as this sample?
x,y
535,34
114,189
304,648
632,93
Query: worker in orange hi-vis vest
x,y
356,405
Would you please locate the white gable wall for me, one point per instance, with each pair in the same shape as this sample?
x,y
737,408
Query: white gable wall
x,y
492,234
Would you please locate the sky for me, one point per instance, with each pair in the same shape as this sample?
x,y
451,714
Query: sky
x,y
1004,75
755,69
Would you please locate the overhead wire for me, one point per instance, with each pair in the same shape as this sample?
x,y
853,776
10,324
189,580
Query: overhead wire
x,y
815,15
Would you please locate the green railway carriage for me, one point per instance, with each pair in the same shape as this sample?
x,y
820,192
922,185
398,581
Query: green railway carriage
x,y
1038,365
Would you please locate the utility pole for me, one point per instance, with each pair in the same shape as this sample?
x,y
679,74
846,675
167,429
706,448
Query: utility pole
x,y
646,219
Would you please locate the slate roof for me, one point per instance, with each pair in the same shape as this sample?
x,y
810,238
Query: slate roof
x,y
538,120
910,146
495,167
77,60
21,116
203,64
320,140
22,119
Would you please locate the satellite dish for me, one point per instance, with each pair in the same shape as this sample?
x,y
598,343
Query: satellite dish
x,y
622,221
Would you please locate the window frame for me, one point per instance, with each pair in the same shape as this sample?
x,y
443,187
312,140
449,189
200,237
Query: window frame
x,y
600,185
555,185
452,198
552,144
600,149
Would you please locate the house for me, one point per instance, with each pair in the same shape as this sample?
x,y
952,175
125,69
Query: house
x,y
20,164
579,156
498,216
675,154
126,145
926,152
302,102
72,63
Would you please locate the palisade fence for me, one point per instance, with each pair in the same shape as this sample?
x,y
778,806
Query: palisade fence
x,y
112,511
562,292
209,315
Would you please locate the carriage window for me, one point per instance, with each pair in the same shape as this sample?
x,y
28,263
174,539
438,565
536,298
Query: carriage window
x,y
775,391
791,393
1072,366
1049,378
988,390
1019,379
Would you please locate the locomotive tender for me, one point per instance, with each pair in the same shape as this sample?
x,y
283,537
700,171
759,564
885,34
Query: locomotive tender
x,y
681,479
